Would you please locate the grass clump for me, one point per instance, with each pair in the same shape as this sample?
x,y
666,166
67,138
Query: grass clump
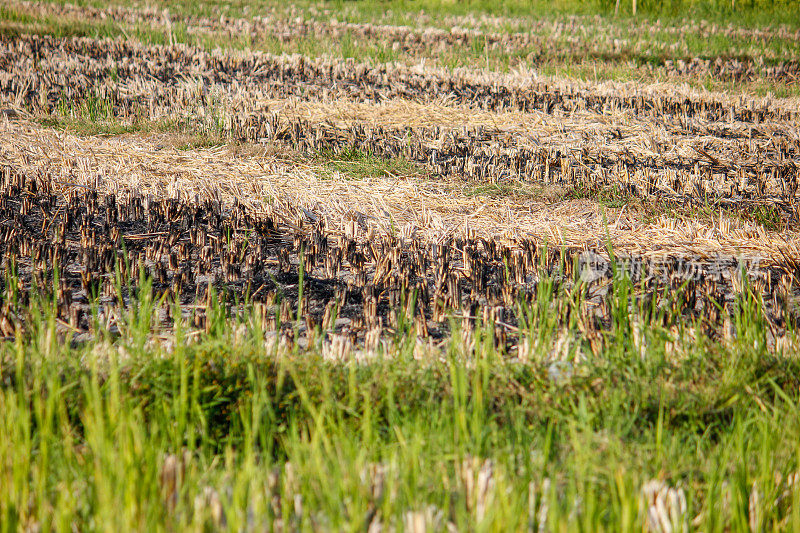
x,y
510,189
770,217
358,164
227,429
95,115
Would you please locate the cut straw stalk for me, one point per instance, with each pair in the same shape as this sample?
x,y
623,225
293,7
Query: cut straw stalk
x,y
590,37
380,204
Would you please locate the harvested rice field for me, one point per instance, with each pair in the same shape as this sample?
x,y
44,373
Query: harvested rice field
x,y
400,266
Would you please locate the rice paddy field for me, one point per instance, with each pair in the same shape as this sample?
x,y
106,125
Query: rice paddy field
x,y
400,266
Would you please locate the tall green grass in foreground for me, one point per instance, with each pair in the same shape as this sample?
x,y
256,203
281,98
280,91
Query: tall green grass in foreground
x,y
654,426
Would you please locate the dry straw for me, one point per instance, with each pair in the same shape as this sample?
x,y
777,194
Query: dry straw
x,y
377,205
